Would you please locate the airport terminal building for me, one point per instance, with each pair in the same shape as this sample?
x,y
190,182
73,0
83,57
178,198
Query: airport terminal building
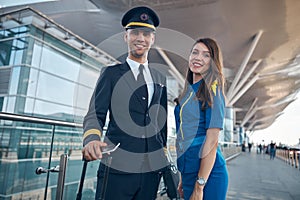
x,y
47,76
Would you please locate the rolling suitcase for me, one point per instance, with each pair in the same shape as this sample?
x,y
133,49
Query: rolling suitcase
x,y
171,178
107,164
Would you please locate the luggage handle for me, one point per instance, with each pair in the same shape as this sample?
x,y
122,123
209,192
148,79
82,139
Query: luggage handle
x,y
105,150
109,149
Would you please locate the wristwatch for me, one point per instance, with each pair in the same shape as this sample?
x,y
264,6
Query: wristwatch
x,y
201,181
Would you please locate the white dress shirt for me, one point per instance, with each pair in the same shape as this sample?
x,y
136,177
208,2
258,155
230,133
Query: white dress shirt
x,y
134,66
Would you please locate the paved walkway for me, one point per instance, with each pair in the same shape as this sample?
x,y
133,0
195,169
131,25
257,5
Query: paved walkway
x,y
256,177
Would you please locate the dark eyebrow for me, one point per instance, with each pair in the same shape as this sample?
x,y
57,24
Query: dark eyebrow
x,y
201,50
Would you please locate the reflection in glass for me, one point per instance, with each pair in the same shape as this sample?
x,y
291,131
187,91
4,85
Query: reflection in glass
x,y
11,101
12,50
50,89
1,103
54,62
36,54
81,94
5,52
20,45
32,82
53,110
29,106
88,76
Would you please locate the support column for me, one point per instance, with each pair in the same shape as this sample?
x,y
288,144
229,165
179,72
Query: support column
x,y
228,124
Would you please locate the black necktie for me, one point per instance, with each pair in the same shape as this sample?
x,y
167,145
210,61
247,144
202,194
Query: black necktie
x,y
142,90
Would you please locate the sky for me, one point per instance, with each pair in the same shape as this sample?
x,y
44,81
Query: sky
x,y
285,129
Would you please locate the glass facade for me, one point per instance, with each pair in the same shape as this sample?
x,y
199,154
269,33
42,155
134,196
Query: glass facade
x,y
38,70
44,77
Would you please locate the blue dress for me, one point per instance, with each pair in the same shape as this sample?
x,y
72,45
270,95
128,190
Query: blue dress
x,y
191,125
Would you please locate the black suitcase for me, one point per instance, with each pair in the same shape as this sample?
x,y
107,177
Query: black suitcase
x,y
106,172
171,178
107,162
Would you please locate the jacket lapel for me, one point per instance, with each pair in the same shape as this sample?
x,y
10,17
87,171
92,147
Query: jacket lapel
x,y
128,77
158,87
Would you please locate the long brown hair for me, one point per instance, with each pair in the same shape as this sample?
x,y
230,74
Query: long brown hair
x,y
214,73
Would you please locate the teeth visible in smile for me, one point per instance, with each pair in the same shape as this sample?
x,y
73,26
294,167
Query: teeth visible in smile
x,y
139,46
197,64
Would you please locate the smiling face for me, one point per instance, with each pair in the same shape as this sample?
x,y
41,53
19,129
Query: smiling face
x,y
199,61
139,42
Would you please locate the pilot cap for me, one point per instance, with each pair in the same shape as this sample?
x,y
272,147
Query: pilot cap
x,y
140,17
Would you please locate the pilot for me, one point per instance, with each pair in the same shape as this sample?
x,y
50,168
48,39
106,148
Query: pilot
x,y
129,91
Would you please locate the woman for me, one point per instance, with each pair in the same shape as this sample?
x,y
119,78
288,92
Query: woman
x,y
199,119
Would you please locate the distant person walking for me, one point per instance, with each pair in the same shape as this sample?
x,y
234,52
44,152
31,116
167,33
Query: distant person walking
x,y
272,150
260,148
249,146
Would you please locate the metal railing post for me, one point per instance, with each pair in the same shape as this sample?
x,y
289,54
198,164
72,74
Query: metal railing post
x,y
61,176
49,163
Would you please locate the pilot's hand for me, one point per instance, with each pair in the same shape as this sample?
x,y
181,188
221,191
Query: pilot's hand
x,y
92,150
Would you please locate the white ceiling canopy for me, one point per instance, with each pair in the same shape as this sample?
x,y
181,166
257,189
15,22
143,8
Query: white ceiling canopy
x,y
10,3
270,71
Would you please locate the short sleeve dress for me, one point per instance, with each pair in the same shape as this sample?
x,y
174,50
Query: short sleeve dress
x,y
192,123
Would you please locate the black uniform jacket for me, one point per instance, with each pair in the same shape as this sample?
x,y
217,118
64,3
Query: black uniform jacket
x,y
142,133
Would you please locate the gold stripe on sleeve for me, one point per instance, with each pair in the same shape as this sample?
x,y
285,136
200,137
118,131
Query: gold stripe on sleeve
x,y
91,132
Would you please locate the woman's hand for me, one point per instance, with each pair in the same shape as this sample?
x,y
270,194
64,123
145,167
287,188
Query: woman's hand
x,y
179,188
197,193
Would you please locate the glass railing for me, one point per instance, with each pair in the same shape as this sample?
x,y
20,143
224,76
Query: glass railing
x,y
230,149
28,143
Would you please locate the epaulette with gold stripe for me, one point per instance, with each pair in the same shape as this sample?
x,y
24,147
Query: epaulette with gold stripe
x,y
214,87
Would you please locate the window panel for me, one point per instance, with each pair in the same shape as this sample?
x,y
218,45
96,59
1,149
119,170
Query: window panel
x,y
53,111
29,106
14,81
55,89
1,103
5,52
32,82
88,76
11,101
36,54
82,97
57,63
